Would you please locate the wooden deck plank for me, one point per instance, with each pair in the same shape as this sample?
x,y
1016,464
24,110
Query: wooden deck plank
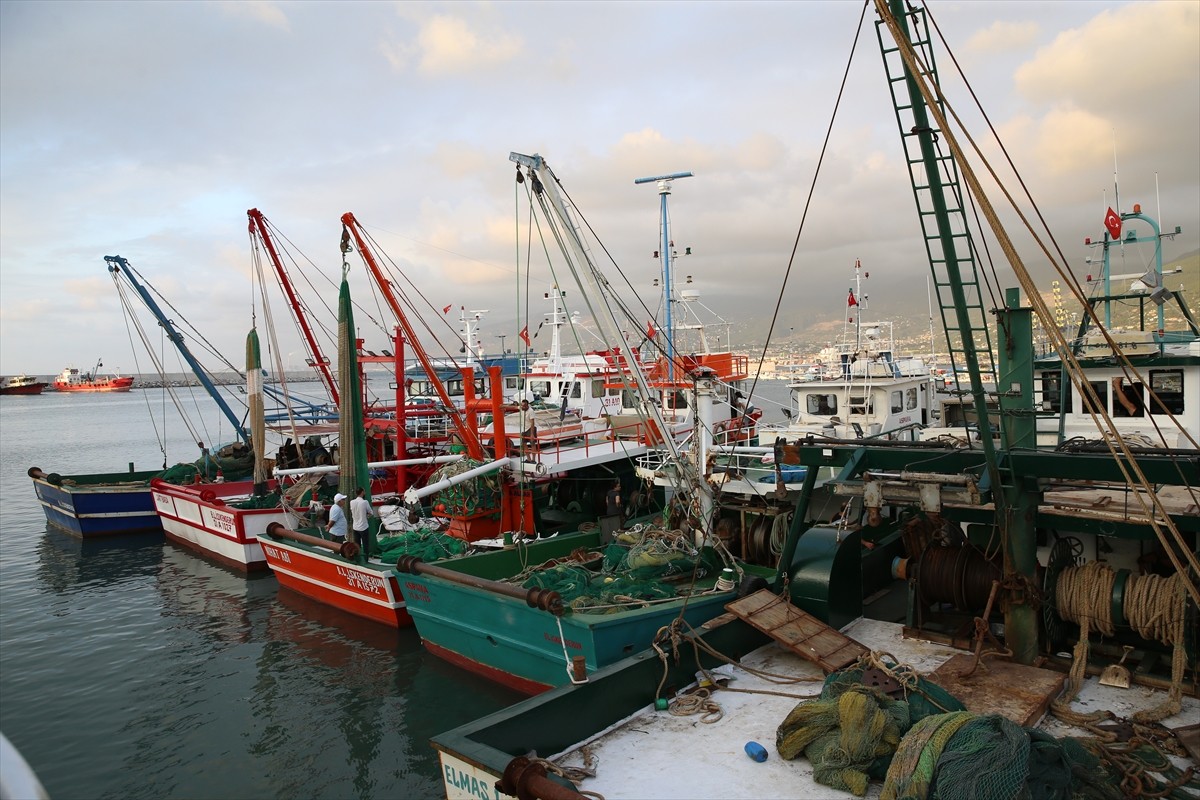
x,y
798,630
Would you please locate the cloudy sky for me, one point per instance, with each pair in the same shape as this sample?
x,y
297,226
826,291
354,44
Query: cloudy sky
x,y
147,129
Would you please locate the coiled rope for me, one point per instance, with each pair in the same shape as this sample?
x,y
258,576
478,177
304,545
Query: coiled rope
x,y
1154,607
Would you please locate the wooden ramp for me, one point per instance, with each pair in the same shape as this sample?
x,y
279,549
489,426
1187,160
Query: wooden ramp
x,y
799,631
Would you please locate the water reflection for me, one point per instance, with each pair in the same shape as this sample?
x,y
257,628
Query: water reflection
x,y
207,597
67,563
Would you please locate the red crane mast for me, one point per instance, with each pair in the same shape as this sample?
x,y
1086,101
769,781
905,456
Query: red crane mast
x,y
258,228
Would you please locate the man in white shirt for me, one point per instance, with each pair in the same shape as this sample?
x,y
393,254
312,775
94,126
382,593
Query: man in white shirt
x,y
360,514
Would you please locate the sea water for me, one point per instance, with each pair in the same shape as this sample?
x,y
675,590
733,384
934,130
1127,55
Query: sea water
x,y
133,668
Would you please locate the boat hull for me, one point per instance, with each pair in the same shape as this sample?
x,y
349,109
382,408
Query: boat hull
x,y
104,504
200,517
527,649
371,591
32,388
113,385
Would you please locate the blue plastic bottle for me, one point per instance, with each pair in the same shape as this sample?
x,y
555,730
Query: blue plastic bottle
x,y
756,751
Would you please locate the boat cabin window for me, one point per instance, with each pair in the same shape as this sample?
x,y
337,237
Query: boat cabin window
x,y
597,388
676,399
861,404
576,389
897,401
1167,386
823,404
910,399
1101,389
1052,397
1128,398
540,388
629,399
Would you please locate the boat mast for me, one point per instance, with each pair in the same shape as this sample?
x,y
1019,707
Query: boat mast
x,y
351,227
120,266
664,190
258,227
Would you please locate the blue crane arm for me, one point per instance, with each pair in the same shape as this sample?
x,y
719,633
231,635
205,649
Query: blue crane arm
x,y
119,265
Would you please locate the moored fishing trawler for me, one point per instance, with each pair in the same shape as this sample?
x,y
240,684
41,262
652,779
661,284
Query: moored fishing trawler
x,y
22,384
71,379
555,610
544,484
1060,576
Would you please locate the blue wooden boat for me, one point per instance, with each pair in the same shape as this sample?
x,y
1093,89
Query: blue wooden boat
x,y
97,504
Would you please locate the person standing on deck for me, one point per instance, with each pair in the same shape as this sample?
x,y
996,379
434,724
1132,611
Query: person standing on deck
x,y
336,527
360,515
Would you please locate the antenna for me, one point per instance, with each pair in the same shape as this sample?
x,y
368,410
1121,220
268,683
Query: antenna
x,y
664,189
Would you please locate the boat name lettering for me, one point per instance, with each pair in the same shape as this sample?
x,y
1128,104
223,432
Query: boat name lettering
x,y
222,520
282,555
552,638
357,580
416,591
470,784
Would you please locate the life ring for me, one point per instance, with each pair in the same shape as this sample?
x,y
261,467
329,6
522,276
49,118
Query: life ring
x,y
208,495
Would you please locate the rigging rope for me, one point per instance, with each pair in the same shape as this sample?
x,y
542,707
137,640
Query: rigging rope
x,y
1171,539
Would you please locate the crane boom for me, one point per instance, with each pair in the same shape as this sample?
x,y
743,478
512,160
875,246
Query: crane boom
x,y
469,438
120,266
258,228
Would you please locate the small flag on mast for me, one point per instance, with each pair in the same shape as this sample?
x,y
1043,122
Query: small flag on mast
x,y
1112,221
851,300
446,310
650,331
524,334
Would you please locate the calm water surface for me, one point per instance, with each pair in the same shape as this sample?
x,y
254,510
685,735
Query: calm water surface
x,y
131,668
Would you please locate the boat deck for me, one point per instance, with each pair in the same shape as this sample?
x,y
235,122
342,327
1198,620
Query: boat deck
x,y
657,754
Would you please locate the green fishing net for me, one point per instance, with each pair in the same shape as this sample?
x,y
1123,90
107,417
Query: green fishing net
x,y
639,567
425,544
477,495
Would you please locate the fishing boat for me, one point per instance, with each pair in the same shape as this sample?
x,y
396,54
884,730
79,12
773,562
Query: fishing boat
x,y
555,610
97,504
72,379
471,496
1028,580
102,504
22,384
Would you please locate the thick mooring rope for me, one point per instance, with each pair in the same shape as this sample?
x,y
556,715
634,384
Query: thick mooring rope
x,y
1154,608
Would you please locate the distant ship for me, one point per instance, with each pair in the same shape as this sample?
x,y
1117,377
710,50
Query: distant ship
x,y
22,384
72,380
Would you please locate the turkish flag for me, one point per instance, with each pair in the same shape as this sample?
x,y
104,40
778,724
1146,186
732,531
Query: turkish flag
x,y
524,334
650,330
1112,221
851,300
446,310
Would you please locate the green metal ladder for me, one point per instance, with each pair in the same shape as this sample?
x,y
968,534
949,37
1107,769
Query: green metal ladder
x,y
939,195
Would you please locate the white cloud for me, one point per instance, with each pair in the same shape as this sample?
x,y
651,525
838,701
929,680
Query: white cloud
x,y
448,45
264,11
1002,36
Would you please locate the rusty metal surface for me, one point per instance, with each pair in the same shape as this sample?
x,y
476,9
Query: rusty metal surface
x,y
1018,692
549,601
526,779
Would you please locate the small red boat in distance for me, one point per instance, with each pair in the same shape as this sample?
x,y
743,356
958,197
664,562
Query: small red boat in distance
x,y
74,380
22,384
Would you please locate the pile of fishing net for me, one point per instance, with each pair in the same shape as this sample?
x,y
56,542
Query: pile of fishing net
x,y
425,544
635,568
926,746
268,500
180,474
851,731
962,755
480,494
